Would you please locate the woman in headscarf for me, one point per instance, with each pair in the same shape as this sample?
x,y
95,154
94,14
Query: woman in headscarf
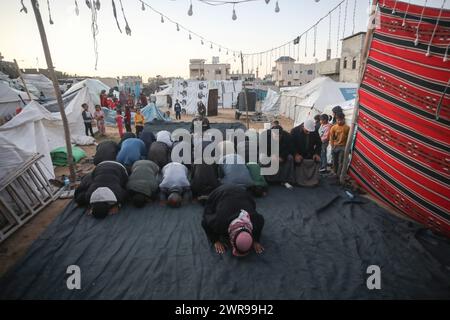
x,y
230,216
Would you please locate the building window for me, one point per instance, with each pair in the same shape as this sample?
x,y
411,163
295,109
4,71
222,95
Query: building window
x,y
289,71
296,71
310,72
218,71
345,63
354,63
289,83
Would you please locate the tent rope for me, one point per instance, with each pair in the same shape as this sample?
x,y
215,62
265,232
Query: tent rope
x,y
354,18
406,13
338,31
416,42
24,9
115,15
49,12
435,28
345,18
306,44
77,10
127,27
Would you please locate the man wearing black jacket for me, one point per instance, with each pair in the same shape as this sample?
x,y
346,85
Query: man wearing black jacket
x,y
106,151
285,173
230,215
307,147
104,189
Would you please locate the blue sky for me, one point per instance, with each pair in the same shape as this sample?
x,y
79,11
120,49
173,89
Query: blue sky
x,y
157,48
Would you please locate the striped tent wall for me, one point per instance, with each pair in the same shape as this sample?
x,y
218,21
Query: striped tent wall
x,y
401,154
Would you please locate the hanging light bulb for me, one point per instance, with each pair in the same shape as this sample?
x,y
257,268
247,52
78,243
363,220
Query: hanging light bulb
x,y
143,7
77,10
190,11
211,46
178,27
202,42
220,49
97,5
267,1
234,17
190,37
227,52
277,8
162,19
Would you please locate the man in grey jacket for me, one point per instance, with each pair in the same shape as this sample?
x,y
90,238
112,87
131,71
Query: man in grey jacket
x,y
143,182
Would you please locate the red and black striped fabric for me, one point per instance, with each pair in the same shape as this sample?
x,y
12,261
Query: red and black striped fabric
x,y
401,154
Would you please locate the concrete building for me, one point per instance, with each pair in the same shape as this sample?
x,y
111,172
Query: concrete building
x,y
200,70
351,55
329,68
287,73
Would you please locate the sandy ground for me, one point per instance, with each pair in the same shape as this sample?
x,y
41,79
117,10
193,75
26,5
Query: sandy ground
x,y
15,247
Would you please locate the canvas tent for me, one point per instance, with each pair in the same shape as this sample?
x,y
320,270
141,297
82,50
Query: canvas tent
x,y
271,103
37,130
161,96
38,83
94,87
10,99
313,97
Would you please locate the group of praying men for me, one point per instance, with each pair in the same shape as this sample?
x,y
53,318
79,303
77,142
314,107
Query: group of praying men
x,y
141,168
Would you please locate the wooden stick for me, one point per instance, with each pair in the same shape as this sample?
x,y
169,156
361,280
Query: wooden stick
x,y
364,57
23,81
52,75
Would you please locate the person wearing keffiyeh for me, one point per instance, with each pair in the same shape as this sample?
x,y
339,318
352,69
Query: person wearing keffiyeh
x,y
230,217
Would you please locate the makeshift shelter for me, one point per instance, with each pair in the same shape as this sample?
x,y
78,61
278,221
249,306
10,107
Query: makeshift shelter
x,y
313,97
94,87
10,99
37,130
271,103
152,112
161,97
38,83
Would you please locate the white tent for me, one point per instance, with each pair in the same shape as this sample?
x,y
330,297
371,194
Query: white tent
x,y
313,97
271,103
161,96
38,83
347,108
36,129
94,86
10,100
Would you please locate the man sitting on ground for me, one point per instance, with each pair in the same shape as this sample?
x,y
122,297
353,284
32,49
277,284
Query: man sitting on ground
x,y
230,217
175,186
104,189
306,147
143,182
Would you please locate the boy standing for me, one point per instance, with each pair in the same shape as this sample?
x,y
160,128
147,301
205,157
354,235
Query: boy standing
x,y
139,122
87,118
338,140
177,109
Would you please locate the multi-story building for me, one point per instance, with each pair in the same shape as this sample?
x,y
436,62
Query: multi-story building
x,y
288,73
200,70
351,57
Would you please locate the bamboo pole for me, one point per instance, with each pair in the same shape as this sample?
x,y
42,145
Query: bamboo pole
x,y
21,79
52,75
364,57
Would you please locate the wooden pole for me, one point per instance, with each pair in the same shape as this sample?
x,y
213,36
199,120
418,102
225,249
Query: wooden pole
x,y
362,71
52,75
21,79
245,92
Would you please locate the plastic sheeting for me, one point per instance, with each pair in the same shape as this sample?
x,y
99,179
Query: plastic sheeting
x,y
318,94
39,83
10,100
271,103
94,86
152,112
318,245
37,130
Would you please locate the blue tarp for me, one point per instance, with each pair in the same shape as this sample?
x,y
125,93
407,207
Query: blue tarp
x,y
110,116
152,112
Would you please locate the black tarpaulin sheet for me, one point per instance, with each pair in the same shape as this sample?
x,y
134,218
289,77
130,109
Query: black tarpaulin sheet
x,y
318,246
